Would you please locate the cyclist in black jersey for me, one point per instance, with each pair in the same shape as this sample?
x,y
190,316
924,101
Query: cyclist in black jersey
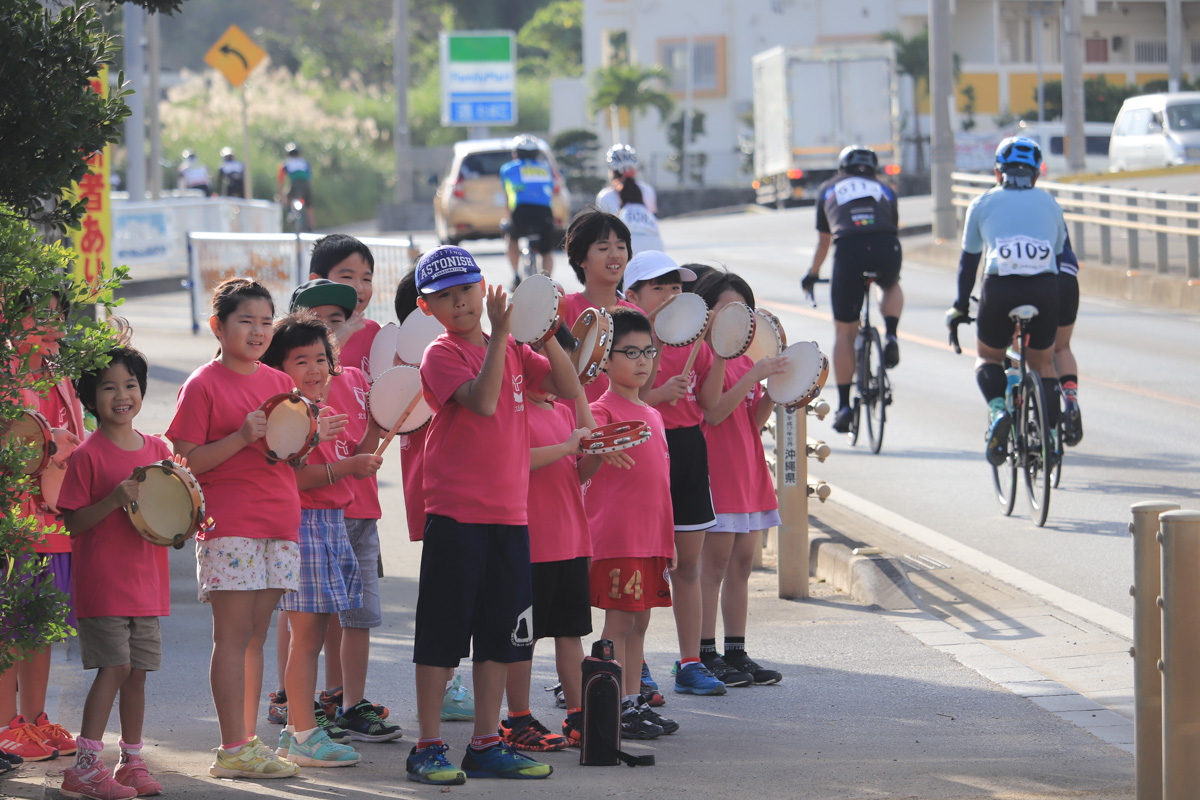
x,y
859,214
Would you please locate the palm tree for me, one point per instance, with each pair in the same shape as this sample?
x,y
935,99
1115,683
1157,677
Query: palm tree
x,y
912,59
631,87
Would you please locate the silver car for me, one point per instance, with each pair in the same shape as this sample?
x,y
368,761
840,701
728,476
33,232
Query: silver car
x,y
1155,131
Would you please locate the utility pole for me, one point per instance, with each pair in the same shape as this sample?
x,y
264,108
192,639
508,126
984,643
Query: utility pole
x,y
1041,78
1174,45
404,171
153,63
941,94
1072,84
135,126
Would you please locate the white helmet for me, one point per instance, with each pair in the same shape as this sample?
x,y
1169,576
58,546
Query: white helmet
x,y
621,157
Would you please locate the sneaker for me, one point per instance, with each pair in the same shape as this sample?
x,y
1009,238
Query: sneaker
x,y
725,673
431,766
331,702
12,758
24,740
842,419
285,744
649,688
762,676
891,352
252,760
56,735
572,728
320,751
696,679
277,708
92,779
335,732
364,725
501,761
669,726
997,438
531,735
1072,426
636,726
560,699
5,765
458,704
133,772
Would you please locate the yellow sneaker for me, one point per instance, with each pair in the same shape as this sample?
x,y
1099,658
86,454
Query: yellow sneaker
x,y
252,760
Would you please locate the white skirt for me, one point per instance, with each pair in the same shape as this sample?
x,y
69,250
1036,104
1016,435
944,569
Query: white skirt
x,y
744,523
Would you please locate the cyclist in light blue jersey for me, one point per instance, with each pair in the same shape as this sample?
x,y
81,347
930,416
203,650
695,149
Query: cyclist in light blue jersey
x,y
529,184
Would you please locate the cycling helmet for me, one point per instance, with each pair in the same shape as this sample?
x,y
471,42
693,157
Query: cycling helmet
x,y
292,149
858,159
526,146
621,157
1019,160
188,155
227,153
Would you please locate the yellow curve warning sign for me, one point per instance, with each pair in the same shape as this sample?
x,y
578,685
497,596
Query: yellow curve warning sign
x,y
235,55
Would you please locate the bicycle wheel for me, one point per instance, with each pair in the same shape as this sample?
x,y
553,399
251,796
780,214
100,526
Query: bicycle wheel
x,y
528,262
1059,447
1004,477
876,388
857,390
1037,447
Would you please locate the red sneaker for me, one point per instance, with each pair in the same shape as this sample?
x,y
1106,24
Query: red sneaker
x,y
26,741
572,728
92,780
56,735
132,772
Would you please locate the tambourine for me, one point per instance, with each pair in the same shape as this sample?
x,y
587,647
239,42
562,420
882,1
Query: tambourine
x,y
50,482
417,332
733,330
769,338
391,394
681,320
32,429
535,310
616,436
382,356
593,336
807,370
170,505
292,427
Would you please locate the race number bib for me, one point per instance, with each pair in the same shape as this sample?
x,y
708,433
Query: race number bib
x,y
856,189
534,174
1024,255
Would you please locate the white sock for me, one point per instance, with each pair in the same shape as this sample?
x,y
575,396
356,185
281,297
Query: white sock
x,y
303,736
633,698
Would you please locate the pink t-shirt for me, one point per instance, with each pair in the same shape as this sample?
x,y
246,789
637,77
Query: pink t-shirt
x,y
558,524
572,306
62,409
325,496
412,475
245,495
629,510
687,411
115,572
348,394
356,352
477,468
740,480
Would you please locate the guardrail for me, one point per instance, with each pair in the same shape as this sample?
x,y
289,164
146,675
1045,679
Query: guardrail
x,y
1096,213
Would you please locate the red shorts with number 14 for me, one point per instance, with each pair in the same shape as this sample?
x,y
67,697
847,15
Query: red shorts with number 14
x,y
630,584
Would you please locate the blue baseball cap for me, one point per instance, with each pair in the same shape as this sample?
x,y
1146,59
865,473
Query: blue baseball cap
x,y
446,266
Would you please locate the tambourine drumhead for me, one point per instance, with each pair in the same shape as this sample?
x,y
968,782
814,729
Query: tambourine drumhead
x,y
535,310
417,332
682,321
32,429
769,339
291,427
593,332
170,505
733,330
51,480
616,436
384,349
390,395
804,377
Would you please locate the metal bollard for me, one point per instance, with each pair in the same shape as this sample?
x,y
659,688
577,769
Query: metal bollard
x,y
791,482
1105,231
1162,263
1180,537
819,489
1147,647
817,449
1193,243
1134,260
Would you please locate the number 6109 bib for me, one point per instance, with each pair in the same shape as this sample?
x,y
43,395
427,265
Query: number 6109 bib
x,y
1024,255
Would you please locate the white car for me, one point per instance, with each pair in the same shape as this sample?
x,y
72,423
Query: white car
x,y
1155,131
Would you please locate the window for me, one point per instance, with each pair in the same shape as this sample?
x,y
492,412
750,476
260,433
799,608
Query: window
x,y
476,165
1154,52
1135,122
1183,117
708,65
1093,145
1096,51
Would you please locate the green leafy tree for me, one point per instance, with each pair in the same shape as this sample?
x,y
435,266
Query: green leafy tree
x,y
912,59
696,162
633,88
578,154
1101,99
554,38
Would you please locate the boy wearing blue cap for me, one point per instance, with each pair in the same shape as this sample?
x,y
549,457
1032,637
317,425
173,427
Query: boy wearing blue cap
x,y
475,571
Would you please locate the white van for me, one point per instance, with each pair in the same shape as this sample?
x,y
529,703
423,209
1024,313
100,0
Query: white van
x,y
1051,136
1156,130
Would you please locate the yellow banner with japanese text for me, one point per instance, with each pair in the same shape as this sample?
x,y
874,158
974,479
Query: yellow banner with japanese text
x,y
92,243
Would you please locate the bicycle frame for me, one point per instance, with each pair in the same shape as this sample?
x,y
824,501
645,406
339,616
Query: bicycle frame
x,y
872,387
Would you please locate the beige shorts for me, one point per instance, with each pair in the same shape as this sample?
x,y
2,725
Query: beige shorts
x,y
238,564
114,641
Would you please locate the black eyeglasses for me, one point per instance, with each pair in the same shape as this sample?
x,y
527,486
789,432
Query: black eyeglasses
x,y
632,352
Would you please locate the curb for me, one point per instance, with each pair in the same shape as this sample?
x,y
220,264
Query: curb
x,y
869,578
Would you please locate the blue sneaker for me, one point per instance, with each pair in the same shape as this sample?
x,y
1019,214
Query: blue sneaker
x,y
501,761
997,437
321,751
285,744
431,766
457,704
649,688
696,679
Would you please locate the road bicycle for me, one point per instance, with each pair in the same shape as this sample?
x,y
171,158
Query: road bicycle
x,y
531,252
1012,356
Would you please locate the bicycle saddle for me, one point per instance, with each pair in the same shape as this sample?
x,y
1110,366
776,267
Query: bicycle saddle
x,y
1025,313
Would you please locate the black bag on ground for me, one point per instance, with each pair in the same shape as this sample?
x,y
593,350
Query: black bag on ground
x,y
601,742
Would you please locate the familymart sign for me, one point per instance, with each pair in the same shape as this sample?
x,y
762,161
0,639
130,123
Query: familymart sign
x,y
479,78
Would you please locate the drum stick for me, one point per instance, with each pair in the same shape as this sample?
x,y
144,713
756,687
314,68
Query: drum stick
x,y
403,417
691,360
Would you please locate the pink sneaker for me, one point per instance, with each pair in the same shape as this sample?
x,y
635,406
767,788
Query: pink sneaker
x,y
92,780
132,772
56,735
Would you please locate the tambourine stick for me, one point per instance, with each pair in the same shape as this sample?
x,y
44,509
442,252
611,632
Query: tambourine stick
x,y
687,368
395,428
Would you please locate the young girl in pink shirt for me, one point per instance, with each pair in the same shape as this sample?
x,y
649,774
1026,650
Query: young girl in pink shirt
x,y
742,491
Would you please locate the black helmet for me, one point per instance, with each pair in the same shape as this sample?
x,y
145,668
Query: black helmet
x,y
292,149
858,159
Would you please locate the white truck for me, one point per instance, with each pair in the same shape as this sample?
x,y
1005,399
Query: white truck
x,y
810,102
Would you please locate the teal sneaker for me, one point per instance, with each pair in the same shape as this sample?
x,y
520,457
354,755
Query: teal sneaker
x,y
696,679
458,704
320,751
285,744
431,766
501,761
997,436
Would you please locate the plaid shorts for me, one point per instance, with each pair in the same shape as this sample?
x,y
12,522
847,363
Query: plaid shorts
x,y
329,578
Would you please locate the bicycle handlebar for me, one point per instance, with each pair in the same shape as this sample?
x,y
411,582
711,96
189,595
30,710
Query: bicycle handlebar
x,y
812,298
963,320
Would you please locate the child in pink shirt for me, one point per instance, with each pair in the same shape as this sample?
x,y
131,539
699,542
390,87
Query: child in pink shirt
x,y
344,259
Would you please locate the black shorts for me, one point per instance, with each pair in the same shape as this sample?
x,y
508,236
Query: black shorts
x,y
854,255
561,601
691,499
1068,298
1000,294
475,589
536,221
301,189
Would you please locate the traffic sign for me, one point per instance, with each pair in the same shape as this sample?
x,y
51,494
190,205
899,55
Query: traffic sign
x,y
235,55
479,78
